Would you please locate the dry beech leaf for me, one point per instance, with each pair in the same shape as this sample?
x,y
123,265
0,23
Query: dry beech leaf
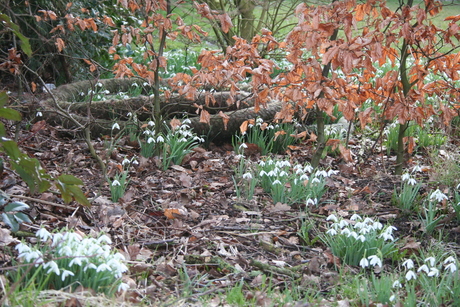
x,y
174,213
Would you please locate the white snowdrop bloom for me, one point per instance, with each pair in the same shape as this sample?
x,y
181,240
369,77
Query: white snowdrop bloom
x,y
187,121
408,264
43,234
39,114
449,259
346,232
104,239
360,225
129,114
321,173
135,85
438,195
247,176
65,250
304,177
115,126
313,202
343,224
82,94
386,236
332,217
53,267
57,239
271,173
160,139
91,92
262,173
405,177
91,266
99,84
106,92
151,123
150,140
331,232
364,263
332,172
374,260
116,183
315,180
423,268
364,231
22,248
411,275
283,174
147,132
31,256
434,272
308,169
125,161
277,182
392,298
397,284
451,267
77,261
182,140
412,181
103,267
123,287
262,163
377,226
361,238
355,217
66,273
431,260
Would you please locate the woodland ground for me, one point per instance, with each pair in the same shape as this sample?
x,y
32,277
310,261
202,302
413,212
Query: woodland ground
x,y
214,240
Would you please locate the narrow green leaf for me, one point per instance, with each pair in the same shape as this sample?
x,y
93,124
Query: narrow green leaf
x,y
70,179
12,149
22,217
3,98
11,114
77,193
9,220
16,206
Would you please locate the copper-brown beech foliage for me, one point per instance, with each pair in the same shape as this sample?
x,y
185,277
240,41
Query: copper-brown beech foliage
x,y
335,51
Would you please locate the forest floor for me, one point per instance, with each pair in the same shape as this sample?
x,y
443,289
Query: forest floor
x,y
187,237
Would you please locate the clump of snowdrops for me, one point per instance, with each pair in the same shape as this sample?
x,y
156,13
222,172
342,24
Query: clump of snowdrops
x,y
66,259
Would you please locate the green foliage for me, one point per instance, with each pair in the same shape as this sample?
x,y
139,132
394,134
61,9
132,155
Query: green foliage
x,y
270,138
30,170
5,21
65,259
12,215
360,241
406,197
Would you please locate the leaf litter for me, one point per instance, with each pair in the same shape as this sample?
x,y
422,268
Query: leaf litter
x,y
186,235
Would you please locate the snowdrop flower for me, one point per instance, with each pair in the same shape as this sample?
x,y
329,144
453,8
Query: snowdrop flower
x,y
106,92
316,180
39,114
405,177
377,225
364,263
346,232
43,234
423,268
434,272
397,284
313,202
332,172
355,217
431,260
76,261
449,259
22,249
321,173
103,267
411,275
438,195
104,239
343,223
99,84
160,139
375,260
125,161
115,126
247,176
116,183
150,140
53,267
262,163
332,217
451,267
262,173
308,169
129,114
303,177
151,123
66,273
123,287
360,237
408,264
277,182
331,232
386,236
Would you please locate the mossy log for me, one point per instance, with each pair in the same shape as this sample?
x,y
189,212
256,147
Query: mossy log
x,y
100,115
